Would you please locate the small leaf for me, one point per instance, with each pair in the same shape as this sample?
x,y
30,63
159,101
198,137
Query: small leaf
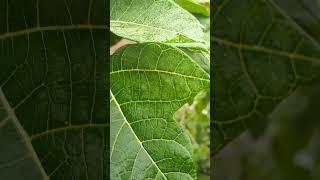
x,y
194,7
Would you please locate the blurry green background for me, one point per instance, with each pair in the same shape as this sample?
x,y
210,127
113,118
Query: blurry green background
x,y
288,149
194,118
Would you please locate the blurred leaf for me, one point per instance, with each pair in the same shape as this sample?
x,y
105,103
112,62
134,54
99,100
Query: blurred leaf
x,y
196,7
264,50
206,23
290,147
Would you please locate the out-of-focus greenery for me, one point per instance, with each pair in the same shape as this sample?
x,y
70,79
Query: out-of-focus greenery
x,y
289,149
194,117
195,6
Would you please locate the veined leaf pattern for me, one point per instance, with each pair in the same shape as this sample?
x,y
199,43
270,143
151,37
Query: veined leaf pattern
x,y
149,82
53,90
264,49
154,21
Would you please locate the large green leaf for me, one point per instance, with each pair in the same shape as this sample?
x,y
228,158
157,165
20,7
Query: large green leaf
x,y
264,49
53,107
154,21
149,83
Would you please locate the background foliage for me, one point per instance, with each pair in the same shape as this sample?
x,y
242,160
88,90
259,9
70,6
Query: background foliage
x,y
267,89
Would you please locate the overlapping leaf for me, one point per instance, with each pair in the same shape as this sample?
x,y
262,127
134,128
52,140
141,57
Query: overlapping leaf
x,y
53,106
264,49
149,82
154,21
195,7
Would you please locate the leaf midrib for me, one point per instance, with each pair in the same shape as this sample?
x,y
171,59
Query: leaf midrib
x,y
51,28
155,28
140,143
266,50
160,71
23,134
82,126
143,25
269,50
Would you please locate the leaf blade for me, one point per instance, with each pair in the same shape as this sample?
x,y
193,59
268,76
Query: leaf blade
x,y
155,22
260,63
195,7
147,105
54,80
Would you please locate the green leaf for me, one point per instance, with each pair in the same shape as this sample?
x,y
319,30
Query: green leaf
x,y
202,1
194,7
264,50
149,83
199,56
154,21
53,108
206,23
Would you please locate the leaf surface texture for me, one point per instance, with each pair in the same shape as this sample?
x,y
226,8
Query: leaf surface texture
x,y
53,90
264,49
154,21
149,83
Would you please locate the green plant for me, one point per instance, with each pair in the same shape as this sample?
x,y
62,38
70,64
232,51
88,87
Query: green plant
x,y
53,90
265,49
150,80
